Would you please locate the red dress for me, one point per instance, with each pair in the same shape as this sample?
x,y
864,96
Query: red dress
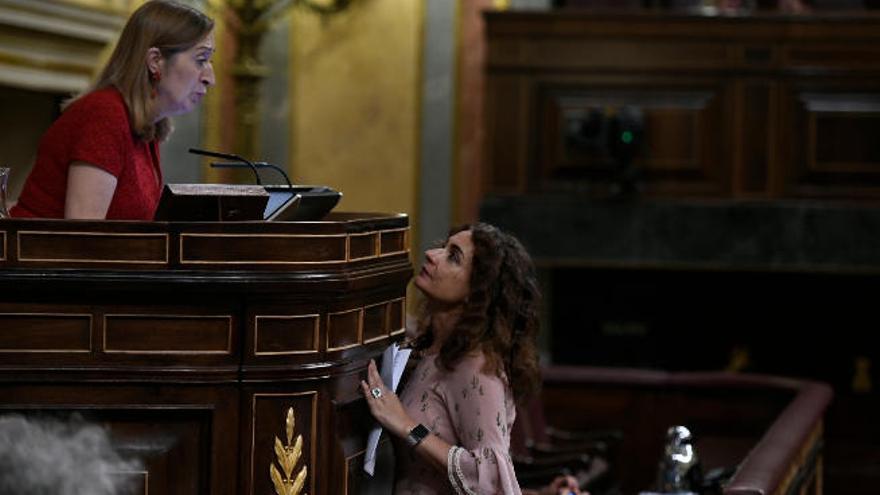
x,y
94,129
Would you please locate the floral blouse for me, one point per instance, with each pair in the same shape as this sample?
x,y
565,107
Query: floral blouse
x,y
470,410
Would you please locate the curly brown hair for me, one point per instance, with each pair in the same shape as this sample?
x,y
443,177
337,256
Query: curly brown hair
x,y
501,313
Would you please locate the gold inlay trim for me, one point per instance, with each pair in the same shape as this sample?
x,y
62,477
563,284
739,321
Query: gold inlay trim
x,y
347,463
287,456
313,430
263,262
402,328
387,305
404,241
382,440
361,316
376,245
94,234
53,351
228,349
316,339
360,329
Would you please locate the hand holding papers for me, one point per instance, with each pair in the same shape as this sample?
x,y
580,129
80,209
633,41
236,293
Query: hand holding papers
x,y
393,363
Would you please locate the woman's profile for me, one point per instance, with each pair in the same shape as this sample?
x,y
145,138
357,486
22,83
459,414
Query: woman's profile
x,y
100,158
477,342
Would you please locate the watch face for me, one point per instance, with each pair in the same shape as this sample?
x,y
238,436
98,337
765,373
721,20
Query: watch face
x,y
417,434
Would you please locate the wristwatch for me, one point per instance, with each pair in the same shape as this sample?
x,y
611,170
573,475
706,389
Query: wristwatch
x,y
417,434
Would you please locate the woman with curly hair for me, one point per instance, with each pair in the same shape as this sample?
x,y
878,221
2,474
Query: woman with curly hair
x,y
100,158
476,341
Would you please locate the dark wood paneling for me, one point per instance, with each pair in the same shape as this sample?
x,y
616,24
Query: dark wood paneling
x,y
758,135
712,92
286,334
833,150
393,242
247,248
193,365
845,141
180,439
363,245
730,416
375,321
45,333
396,316
344,329
92,247
268,427
507,124
676,151
171,334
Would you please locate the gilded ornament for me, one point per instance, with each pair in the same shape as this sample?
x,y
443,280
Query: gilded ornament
x,y
287,456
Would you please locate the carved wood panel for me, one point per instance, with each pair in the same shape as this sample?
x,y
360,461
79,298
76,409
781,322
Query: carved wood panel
x,y
675,149
832,148
752,107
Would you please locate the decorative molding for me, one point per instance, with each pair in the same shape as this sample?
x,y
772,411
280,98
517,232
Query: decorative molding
x,y
374,250
389,304
189,352
54,46
315,339
404,241
356,455
50,315
191,261
359,338
287,456
73,235
312,395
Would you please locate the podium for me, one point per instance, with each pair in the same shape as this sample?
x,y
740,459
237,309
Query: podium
x,y
197,344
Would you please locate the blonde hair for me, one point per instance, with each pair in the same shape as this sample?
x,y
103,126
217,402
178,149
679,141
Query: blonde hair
x,y
164,24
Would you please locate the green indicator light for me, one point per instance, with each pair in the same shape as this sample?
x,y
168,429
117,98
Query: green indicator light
x,y
626,137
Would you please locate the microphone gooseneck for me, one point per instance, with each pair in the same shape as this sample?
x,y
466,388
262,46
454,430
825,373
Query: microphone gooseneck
x,y
229,156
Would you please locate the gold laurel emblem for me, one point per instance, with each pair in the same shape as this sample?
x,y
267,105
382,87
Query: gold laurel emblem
x,y
287,457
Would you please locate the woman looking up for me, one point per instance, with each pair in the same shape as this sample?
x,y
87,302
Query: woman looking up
x,y
100,158
476,340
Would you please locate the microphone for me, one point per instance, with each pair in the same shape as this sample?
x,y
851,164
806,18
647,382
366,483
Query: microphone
x,y
228,156
257,165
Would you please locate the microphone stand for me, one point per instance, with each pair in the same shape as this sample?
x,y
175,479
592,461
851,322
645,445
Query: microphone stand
x,y
257,165
229,156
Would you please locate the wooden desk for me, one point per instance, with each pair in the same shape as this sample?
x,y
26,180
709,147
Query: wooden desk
x,y
192,342
769,428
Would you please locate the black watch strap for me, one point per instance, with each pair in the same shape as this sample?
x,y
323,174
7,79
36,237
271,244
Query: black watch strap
x,y
417,434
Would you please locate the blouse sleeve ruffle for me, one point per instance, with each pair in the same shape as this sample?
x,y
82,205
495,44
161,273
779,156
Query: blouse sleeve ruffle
x,y
478,473
481,413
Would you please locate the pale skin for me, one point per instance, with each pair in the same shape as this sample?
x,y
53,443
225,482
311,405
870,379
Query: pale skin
x,y
185,78
445,281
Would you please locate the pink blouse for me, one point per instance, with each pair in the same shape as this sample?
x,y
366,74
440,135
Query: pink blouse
x,y
470,410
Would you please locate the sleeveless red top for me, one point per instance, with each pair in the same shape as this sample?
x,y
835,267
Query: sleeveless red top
x,y
94,129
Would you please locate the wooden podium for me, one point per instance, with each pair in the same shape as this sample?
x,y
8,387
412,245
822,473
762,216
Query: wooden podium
x,y
195,343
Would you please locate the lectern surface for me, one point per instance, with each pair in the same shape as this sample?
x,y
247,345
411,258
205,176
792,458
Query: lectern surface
x,y
201,345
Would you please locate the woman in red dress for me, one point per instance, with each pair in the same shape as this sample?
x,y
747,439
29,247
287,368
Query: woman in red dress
x,y
100,158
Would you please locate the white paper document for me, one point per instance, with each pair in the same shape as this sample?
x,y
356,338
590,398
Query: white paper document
x,y
393,363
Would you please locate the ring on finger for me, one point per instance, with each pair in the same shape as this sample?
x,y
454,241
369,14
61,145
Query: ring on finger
x,y
376,392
